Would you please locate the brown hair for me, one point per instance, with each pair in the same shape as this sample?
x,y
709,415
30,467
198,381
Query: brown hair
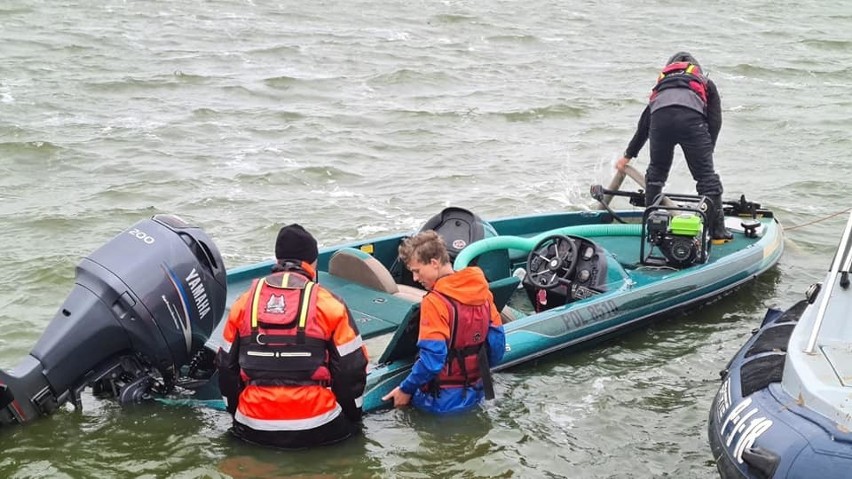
x,y
424,247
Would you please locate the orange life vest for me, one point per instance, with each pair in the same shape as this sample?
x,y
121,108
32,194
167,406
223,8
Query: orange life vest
x,y
468,331
280,342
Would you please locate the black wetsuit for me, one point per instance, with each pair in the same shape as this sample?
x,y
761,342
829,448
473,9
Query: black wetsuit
x,y
694,131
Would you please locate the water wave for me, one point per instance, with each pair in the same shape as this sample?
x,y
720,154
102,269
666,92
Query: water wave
x,y
367,119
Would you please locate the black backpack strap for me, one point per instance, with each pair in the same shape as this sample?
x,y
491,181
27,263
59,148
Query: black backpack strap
x,y
485,373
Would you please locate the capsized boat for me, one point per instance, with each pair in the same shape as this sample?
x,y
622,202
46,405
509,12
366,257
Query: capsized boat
x,y
145,304
784,407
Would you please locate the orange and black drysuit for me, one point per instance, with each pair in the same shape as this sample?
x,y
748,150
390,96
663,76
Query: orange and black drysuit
x,y
293,367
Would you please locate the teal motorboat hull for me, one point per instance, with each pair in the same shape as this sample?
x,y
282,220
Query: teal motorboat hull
x,y
635,294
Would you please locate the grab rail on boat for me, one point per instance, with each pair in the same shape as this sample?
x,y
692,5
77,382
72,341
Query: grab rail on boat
x,y
847,265
836,266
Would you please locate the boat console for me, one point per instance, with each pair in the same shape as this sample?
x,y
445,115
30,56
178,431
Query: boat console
x,y
562,269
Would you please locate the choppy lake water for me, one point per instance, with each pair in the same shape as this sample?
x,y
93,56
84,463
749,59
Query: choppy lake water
x,y
358,119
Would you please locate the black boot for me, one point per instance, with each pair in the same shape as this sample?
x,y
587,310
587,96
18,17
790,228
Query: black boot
x,y
652,191
716,217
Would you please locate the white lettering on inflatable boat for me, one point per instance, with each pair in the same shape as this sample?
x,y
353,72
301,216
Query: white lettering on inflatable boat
x,y
744,427
723,399
199,294
145,237
756,427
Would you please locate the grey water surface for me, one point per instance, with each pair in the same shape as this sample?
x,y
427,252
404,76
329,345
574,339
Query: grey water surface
x,y
364,118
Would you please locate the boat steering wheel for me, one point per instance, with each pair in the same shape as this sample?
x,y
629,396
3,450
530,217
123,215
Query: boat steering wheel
x,y
551,263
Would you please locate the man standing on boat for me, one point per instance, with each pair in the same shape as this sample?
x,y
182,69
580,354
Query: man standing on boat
x,y
293,368
684,109
461,334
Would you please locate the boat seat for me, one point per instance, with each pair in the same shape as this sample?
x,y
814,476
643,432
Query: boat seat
x,y
359,267
509,314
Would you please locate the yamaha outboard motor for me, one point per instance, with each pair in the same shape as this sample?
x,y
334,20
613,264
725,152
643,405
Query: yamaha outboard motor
x,y
141,305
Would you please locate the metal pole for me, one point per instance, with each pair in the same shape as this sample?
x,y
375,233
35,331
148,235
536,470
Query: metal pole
x,y
826,294
844,271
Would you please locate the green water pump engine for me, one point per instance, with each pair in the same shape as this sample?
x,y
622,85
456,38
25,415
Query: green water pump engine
x,y
678,237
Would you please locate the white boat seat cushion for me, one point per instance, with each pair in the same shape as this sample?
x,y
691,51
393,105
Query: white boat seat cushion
x,y
359,267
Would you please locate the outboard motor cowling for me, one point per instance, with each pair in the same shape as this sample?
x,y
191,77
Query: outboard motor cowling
x,y
141,305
